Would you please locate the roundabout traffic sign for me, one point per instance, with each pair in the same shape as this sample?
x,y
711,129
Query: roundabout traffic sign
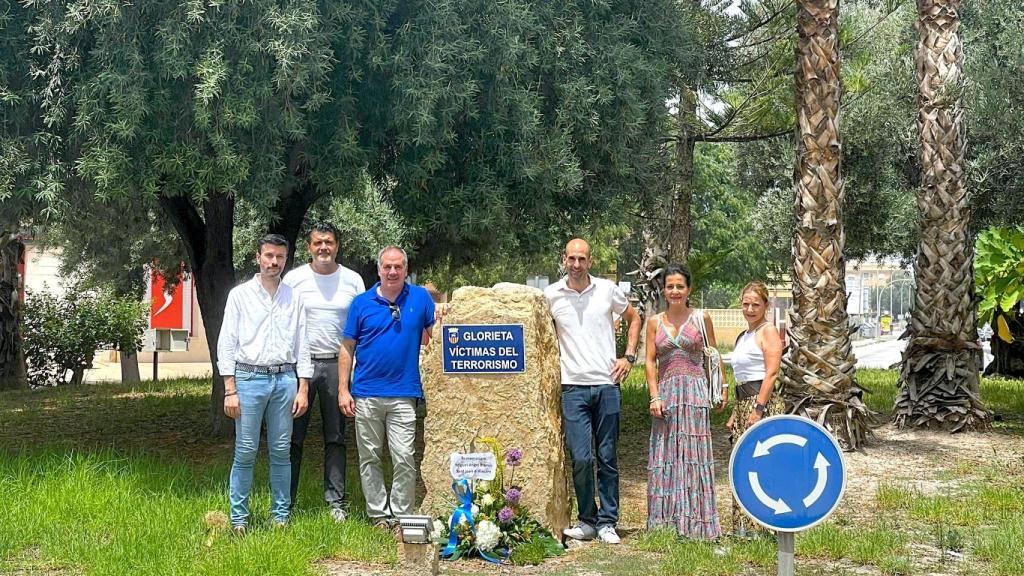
x,y
787,473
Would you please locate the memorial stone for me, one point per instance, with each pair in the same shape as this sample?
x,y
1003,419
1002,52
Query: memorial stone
x,y
521,408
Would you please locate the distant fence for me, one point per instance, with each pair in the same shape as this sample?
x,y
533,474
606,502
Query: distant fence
x,y
728,323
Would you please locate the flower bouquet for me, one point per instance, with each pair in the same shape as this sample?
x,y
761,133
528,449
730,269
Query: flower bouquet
x,y
490,520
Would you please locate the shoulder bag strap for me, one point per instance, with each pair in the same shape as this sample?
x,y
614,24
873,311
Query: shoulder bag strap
x,y
700,323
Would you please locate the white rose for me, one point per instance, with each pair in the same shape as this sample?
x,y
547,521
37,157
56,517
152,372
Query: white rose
x,y
487,500
438,529
483,486
487,534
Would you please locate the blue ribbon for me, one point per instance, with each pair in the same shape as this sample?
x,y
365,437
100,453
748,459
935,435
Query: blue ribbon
x,y
465,510
464,494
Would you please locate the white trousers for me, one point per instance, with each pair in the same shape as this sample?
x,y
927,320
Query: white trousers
x,y
393,419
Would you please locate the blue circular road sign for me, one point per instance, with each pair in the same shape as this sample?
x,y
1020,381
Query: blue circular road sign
x,y
787,473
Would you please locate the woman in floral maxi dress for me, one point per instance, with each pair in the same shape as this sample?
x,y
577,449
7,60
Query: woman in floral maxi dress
x,y
681,471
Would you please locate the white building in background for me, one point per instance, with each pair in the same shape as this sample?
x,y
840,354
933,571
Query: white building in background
x,y
42,269
878,287
42,274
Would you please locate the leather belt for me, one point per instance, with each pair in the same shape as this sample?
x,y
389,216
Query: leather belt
x,y
275,369
324,356
745,390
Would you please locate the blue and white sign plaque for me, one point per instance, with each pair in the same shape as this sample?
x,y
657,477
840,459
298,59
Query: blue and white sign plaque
x,y
483,349
787,473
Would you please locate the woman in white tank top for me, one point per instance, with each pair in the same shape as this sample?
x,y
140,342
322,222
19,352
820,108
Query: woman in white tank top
x,y
755,364
755,360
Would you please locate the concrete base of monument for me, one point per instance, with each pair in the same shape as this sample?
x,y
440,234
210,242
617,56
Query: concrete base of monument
x,y
418,558
520,409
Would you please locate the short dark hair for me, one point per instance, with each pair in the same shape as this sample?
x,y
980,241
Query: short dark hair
x,y
677,270
273,240
323,228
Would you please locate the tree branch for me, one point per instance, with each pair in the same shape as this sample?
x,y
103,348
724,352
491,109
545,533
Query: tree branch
x,y
884,17
757,26
742,137
190,226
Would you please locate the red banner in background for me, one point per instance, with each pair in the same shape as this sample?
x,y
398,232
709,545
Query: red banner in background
x,y
169,311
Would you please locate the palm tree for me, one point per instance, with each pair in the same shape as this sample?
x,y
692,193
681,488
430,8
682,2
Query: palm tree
x,y
939,384
818,380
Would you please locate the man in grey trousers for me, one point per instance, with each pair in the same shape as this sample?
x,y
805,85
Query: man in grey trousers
x,y
382,336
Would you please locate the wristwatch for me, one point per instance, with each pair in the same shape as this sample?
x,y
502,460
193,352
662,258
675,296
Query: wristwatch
x,y
760,407
631,358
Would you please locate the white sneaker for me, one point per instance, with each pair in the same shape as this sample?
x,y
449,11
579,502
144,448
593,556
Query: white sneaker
x,y
338,515
581,531
608,535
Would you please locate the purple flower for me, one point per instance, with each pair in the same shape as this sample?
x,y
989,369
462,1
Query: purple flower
x,y
514,457
505,514
512,496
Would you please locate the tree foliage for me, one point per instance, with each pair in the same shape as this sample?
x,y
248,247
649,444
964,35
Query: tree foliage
x,y
995,69
999,278
999,274
879,143
62,333
487,127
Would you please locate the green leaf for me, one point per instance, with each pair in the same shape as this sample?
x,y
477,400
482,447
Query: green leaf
x,y
1011,297
1003,330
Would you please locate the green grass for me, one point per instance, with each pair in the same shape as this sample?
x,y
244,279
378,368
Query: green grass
x,y
983,514
984,517
1003,397
103,480
113,479
1003,545
880,546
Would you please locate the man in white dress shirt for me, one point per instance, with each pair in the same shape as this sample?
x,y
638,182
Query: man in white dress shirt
x,y
326,289
263,355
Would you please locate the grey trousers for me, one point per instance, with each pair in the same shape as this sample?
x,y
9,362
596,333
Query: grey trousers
x,y
394,420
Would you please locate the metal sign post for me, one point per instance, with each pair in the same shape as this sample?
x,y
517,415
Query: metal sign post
x,y
788,474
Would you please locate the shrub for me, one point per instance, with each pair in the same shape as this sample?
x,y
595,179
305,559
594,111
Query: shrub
x,y
63,333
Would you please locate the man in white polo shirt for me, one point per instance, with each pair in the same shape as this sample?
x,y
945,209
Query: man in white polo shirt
x,y
326,289
583,307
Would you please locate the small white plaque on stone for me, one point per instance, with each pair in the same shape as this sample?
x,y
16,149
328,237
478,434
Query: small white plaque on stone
x,y
474,466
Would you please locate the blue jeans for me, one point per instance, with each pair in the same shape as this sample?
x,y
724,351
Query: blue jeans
x,y
262,397
590,415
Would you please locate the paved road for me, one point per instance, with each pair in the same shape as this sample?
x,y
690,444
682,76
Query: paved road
x,y
883,353
878,353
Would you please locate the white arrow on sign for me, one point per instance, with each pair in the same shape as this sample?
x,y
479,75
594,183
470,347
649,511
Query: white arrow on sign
x,y
762,448
821,465
779,506
168,298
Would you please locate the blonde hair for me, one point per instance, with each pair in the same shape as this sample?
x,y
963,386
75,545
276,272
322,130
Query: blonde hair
x,y
757,288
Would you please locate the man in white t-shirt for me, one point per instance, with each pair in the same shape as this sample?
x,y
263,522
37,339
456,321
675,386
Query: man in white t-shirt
x,y
326,289
583,307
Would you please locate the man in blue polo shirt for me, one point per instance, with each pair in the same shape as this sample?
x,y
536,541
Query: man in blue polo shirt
x,y
383,332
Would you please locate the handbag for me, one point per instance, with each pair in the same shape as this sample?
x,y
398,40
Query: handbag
x,y
712,364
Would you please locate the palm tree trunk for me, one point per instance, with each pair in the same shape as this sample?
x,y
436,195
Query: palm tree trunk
x,y
939,384
818,380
